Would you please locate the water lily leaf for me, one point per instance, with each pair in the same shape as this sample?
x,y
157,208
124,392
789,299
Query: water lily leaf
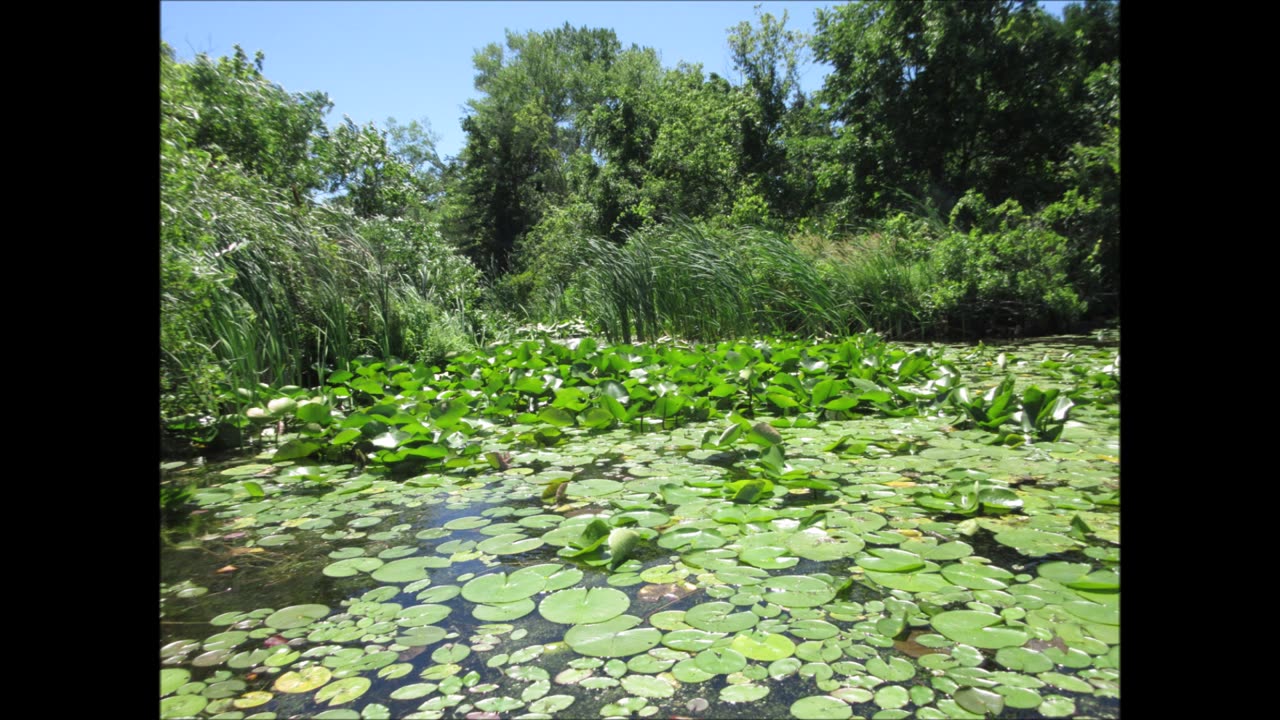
x,y
720,617
1023,659
419,615
509,544
618,637
891,560
977,700
182,706
763,646
892,696
796,591
501,612
352,566
584,605
690,639
296,616
977,577
743,693
768,558
720,661
973,627
814,543
821,707
1057,706
173,678
895,670
404,570
917,582
647,686
305,680
551,704
252,699
498,588
1035,543
343,691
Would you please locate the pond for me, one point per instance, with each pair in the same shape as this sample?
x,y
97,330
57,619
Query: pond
x,y
791,530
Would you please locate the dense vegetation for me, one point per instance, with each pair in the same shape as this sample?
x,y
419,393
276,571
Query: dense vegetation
x,y
957,174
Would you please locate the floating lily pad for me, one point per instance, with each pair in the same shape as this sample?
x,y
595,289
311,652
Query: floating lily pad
x,y
618,637
173,678
793,591
305,680
352,566
296,616
404,570
1035,543
343,691
721,617
743,693
648,687
763,646
509,544
584,605
975,628
821,707
182,706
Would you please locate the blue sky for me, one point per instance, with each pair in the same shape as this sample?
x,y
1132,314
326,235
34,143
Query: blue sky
x,y
412,60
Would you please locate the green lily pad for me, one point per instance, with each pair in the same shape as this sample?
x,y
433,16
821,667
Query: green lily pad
x,y
404,570
509,544
763,646
501,612
721,617
1035,543
182,706
551,704
795,591
979,701
1057,706
344,690
296,616
617,637
977,577
973,627
821,707
352,566
419,615
305,680
500,588
647,686
891,560
720,661
743,693
173,678
892,696
584,605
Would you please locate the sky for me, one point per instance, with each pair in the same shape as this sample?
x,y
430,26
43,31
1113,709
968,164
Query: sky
x,y
412,60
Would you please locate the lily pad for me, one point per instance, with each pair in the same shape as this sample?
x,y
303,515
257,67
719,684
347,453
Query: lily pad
x,y
973,627
721,617
618,637
296,616
821,707
343,691
584,605
305,680
794,591
763,646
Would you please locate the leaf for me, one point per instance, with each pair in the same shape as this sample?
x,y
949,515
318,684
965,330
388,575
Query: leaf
x,y
618,637
584,605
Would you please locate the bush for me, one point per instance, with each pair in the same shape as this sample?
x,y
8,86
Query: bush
x,y
1009,272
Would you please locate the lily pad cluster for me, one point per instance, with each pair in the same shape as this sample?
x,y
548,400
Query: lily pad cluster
x,y
726,555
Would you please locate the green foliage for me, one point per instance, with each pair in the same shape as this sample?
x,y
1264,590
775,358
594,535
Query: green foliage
x,y
1008,271
258,289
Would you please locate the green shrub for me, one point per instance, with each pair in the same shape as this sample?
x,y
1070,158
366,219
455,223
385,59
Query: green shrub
x,y
1009,272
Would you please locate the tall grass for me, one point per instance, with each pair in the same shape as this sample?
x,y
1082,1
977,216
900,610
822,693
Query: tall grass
x,y
693,281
